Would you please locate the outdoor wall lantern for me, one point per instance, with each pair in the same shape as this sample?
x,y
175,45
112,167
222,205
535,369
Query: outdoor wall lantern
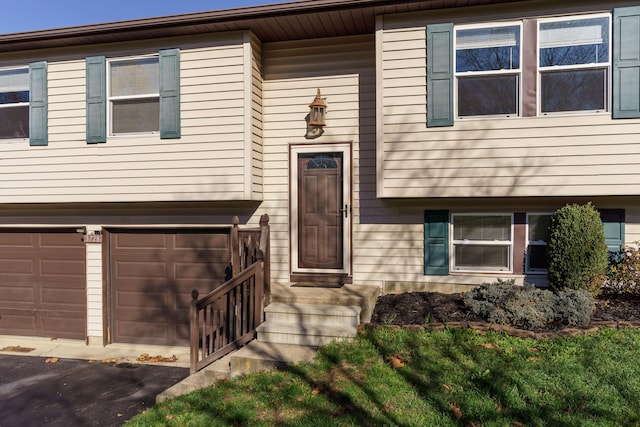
x,y
317,112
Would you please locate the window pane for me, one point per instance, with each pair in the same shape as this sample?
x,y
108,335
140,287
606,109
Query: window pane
x,y
14,122
135,77
482,257
575,90
484,49
574,42
537,255
131,116
476,227
14,86
488,95
539,227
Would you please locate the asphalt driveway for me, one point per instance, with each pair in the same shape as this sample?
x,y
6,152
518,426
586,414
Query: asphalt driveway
x,y
78,392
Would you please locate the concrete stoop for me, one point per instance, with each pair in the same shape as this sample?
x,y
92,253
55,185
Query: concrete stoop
x,y
252,358
308,324
297,321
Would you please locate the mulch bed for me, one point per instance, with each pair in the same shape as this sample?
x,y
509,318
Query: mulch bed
x,y
435,310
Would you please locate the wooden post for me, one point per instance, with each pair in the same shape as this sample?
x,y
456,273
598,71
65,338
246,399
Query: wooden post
x,y
258,316
235,248
265,242
194,333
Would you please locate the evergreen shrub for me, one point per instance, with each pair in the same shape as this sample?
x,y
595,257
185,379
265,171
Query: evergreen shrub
x,y
528,307
576,249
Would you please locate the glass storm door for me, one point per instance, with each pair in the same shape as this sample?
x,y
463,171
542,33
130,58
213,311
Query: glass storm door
x,y
321,210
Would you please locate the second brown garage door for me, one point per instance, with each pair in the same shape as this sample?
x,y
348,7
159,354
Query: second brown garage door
x,y
152,275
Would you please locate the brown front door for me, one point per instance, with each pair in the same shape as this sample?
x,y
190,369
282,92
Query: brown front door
x,y
320,211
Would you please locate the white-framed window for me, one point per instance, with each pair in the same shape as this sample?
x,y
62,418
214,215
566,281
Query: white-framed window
x,y
574,58
488,69
14,103
482,242
537,236
134,95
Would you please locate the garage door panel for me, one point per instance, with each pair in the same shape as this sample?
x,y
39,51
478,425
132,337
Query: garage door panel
x,y
60,240
15,266
196,241
16,240
152,284
198,271
140,240
60,324
15,293
141,269
141,300
43,283
62,297
18,322
62,267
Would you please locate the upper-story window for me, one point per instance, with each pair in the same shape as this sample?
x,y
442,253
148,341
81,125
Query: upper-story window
x,y
14,103
134,95
573,60
487,69
537,66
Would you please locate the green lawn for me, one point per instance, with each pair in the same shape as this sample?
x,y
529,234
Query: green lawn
x,y
454,377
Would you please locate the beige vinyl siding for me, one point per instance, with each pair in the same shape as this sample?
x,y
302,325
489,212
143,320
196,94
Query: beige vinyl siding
x,y
554,156
344,70
254,108
216,159
94,287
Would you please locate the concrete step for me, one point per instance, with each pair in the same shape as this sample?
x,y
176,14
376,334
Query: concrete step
x,y
252,358
309,335
364,296
313,314
218,370
261,356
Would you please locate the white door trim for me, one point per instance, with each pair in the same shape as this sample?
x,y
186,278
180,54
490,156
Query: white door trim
x,y
345,149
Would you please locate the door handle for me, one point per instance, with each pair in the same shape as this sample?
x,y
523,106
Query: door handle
x,y
345,210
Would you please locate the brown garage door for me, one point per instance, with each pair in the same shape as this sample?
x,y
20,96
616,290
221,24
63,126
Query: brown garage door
x,y
43,283
152,275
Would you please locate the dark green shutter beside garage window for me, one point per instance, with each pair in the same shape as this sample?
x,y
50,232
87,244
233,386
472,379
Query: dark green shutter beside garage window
x,y
170,93
613,222
38,109
96,100
439,75
626,63
436,243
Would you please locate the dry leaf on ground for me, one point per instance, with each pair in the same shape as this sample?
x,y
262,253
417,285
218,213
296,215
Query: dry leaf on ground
x,y
396,362
144,357
455,409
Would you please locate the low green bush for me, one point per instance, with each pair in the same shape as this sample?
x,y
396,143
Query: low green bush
x,y
624,277
528,307
576,249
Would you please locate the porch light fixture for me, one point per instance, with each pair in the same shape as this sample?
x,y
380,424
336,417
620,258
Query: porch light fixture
x,y
318,110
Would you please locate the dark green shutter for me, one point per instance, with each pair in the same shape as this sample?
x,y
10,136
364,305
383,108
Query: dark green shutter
x,y
626,63
96,99
613,221
170,93
439,75
436,243
38,110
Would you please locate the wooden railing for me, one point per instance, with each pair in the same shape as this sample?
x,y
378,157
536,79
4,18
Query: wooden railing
x,y
227,317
